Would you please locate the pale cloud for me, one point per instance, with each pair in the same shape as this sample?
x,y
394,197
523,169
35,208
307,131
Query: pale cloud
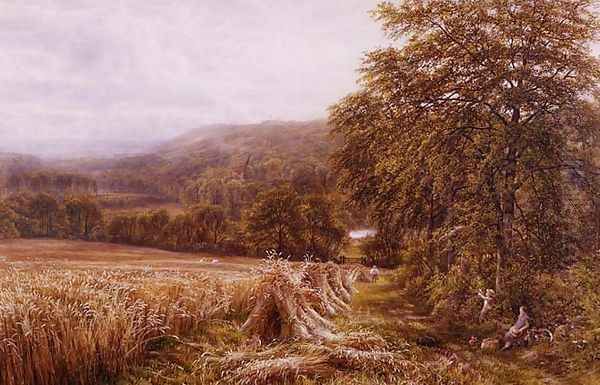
x,y
152,69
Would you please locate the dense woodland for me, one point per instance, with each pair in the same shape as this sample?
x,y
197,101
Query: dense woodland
x,y
474,146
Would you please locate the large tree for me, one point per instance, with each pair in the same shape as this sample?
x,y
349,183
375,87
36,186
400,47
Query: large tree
x,y
211,221
7,222
45,210
83,216
483,106
324,234
275,221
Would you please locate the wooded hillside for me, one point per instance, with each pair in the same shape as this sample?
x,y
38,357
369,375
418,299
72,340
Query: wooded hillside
x,y
241,188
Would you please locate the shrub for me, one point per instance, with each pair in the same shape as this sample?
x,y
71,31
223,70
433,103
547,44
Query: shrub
x,y
453,295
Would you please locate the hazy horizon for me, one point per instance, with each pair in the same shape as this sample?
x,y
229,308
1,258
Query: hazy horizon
x,y
73,148
146,71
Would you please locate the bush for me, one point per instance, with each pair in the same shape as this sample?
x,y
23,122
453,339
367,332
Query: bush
x,y
586,279
453,296
551,299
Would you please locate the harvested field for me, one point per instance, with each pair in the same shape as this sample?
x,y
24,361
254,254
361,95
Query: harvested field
x,y
70,315
86,320
78,255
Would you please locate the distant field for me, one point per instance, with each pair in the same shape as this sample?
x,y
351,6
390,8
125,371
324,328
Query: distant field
x,y
126,203
108,256
173,209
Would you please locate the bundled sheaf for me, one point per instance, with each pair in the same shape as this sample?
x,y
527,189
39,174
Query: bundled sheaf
x,y
291,303
285,363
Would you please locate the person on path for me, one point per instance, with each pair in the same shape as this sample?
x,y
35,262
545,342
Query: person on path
x,y
374,273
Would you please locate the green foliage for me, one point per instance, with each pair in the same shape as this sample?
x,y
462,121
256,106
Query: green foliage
x,y
202,227
386,247
324,233
43,215
453,296
275,221
477,126
83,216
211,221
283,221
46,214
122,229
586,276
380,251
7,222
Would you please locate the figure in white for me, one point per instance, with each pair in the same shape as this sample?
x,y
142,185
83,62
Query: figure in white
x,y
374,273
488,301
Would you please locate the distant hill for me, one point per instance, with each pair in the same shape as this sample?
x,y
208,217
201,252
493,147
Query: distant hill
x,y
288,136
259,152
266,153
61,148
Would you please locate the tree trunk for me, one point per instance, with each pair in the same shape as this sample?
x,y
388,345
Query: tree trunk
x,y
280,240
506,225
505,252
430,225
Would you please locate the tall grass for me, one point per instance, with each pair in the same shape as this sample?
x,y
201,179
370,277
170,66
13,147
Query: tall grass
x,y
76,327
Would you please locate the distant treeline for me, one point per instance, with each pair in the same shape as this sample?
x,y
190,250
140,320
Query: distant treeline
x,y
279,219
42,215
55,183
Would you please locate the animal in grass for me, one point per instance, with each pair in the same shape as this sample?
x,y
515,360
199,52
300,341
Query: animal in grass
x,y
488,300
517,330
374,273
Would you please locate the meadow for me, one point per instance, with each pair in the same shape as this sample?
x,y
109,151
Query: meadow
x,y
81,255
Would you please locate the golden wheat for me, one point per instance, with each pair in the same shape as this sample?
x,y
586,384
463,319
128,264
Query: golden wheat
x,y
76,327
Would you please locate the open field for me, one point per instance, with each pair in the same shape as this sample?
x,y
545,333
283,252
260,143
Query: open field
x,y
115,203
108,256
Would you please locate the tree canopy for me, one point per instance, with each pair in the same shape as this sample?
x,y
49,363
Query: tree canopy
x,y
475,123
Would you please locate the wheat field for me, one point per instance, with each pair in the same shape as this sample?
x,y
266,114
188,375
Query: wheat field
x,y
77,327
90,320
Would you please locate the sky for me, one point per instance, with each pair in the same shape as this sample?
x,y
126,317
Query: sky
x,y
151,69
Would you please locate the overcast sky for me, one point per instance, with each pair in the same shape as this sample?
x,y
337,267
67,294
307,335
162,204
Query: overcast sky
x,y
153,68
